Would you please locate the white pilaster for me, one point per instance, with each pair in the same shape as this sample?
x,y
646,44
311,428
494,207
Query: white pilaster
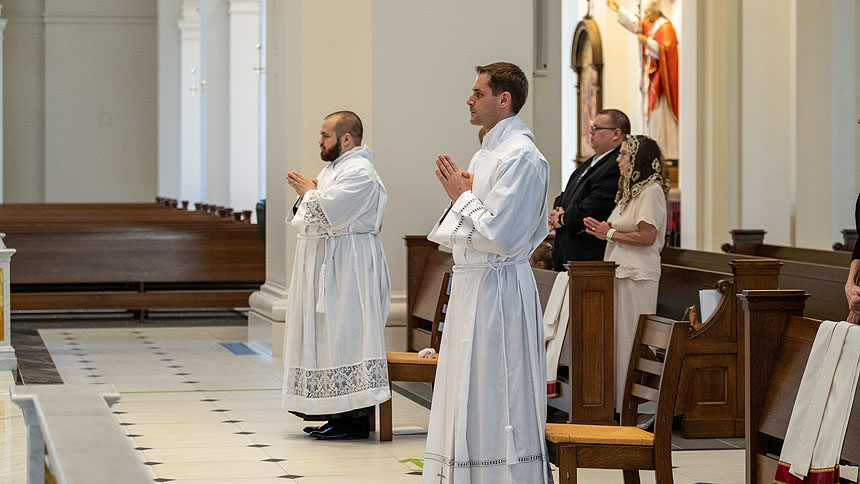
x,y
190,153
169,99
268,305
245,68
2,27
689,144
215,102
7,354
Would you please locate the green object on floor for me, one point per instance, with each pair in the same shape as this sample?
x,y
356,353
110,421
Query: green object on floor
x,y
419,463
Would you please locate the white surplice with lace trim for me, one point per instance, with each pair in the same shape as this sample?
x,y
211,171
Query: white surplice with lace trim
x,y
334,347
489,402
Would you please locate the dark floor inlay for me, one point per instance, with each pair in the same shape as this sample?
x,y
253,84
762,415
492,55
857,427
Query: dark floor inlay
x,y
205,399
35,365
134,435
220,410
231,421
244,433
289,476
89,368
84,361
162,479
142,448
94,376
259,446
151,463
126,424
184,374
174,366
191,381
273,460
119,413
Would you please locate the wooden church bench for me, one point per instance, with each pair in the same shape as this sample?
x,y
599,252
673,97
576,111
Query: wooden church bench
x,y
821,273
781,340
715,351
153,258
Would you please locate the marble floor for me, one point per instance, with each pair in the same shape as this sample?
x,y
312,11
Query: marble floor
x,y
200,409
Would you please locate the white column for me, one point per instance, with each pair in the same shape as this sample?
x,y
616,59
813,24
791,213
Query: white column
x,y
268,305
189,28
215,103
2,27
244,99
169,99
689,144
8,361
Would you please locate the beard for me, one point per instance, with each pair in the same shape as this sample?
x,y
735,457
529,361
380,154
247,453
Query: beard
x,y
332,153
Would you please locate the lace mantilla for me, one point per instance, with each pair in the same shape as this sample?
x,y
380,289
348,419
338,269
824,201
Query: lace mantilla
x,y
336,382
314,213
631,183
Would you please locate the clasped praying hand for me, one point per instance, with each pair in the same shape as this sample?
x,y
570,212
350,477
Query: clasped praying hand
x,y
596,228
453,180
301,184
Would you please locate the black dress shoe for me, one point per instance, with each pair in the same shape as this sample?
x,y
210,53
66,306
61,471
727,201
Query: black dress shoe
x,y
318,428
341,430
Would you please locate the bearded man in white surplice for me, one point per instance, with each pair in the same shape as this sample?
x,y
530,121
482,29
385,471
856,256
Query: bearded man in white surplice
x,y
334,348
489,401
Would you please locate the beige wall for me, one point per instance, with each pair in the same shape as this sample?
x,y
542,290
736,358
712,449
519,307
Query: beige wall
x,y
80,92
419,99
23,102
100,92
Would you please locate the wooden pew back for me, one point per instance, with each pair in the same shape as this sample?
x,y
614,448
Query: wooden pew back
x,y
782,340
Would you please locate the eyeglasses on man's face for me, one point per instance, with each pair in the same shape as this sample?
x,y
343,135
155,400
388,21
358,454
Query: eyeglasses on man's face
x,y
594,128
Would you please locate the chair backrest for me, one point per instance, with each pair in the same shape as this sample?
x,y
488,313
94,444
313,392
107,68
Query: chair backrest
x,y
654,371
441,311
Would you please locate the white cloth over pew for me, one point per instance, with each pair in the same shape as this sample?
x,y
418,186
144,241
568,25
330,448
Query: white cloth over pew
x,y
819,418
556,316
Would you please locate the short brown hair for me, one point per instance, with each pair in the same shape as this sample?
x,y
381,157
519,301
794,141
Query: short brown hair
x,y
505,76
618,119
348,122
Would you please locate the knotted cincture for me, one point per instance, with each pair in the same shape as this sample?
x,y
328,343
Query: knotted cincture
x,y
512,450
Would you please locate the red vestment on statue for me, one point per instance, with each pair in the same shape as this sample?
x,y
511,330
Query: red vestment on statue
x,y
662,72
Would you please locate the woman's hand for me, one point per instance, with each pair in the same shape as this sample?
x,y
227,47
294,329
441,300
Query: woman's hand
x,y
596,228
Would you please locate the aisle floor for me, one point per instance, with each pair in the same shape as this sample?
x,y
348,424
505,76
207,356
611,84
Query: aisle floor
x,y
198,410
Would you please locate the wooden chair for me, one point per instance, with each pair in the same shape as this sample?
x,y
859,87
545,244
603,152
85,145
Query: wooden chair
x,y
408,366
627,447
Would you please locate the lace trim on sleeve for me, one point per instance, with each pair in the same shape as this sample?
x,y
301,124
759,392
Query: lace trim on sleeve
x,y
314,213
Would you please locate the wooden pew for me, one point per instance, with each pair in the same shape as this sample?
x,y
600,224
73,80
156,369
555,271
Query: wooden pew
x,y
751,242
849,239
778,342
821,273
714,351
129,256
586,374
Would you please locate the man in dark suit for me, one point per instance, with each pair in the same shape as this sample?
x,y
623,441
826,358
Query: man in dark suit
x,y
590,192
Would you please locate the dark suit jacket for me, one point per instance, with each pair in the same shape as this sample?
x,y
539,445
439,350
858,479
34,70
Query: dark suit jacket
x,y
593,196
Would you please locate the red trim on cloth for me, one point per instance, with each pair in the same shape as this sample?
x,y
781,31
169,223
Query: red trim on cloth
x,y
815,476
552,389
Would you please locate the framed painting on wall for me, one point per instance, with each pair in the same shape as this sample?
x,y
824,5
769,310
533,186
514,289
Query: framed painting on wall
x,y
587,61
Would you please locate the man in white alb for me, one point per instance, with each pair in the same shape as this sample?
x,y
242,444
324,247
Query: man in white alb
x,y
489,401
334,348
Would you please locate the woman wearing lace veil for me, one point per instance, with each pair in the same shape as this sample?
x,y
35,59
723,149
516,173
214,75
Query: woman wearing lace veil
x,y
635,233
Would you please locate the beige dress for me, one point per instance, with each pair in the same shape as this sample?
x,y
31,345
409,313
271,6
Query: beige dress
x,y
637,275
